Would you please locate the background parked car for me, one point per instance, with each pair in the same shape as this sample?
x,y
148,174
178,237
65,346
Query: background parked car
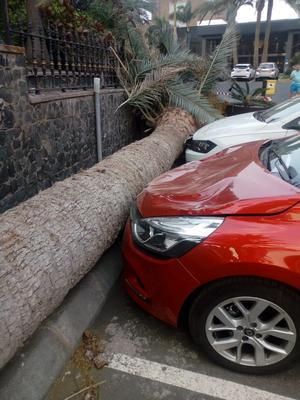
x,y
243,71
276,122
216,244
267,70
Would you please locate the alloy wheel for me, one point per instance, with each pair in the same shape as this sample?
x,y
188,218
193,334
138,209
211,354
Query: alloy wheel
x,y
251,331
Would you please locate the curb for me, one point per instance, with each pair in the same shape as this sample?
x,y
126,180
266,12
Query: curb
x,y
31,373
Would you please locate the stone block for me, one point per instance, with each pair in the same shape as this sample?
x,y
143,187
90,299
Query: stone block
x,y
7,118
3,60
6,95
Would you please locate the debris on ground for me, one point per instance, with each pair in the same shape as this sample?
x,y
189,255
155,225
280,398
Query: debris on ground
x,y
87,356
99,361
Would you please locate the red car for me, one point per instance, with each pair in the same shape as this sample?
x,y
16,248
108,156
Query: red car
x,y
215,244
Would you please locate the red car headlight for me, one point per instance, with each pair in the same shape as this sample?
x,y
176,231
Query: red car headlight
x,y
171,236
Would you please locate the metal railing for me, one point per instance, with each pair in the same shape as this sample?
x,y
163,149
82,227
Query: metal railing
x,y
61,59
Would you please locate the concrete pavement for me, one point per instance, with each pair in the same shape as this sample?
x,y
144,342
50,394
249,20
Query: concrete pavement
x,y
31,373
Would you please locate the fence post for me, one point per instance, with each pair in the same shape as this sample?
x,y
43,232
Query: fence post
x,y
98,117
5,19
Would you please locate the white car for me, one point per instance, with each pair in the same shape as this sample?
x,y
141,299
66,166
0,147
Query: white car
x,y
243,71
276,122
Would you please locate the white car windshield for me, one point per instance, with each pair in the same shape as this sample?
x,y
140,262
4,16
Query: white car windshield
x,y
280,111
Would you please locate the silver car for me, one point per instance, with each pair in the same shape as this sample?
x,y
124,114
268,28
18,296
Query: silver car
x,y
268,70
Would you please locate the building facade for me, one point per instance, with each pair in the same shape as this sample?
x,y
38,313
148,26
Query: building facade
x,y
284,40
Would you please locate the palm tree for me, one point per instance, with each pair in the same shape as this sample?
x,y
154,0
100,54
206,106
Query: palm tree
x,y
156,80
185,14
265,53
260,4
230,8
295,4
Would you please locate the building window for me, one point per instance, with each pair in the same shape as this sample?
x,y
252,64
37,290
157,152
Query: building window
x,y
211,44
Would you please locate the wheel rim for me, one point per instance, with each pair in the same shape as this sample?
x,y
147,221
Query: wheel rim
x,y
251,331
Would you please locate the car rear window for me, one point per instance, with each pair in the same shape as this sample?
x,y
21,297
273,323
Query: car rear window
x,y
242,66
266,65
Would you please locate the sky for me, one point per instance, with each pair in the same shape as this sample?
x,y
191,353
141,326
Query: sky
x,y
280,11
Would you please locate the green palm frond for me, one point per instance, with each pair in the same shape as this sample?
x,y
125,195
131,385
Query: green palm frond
x,y
137,47
219,60
148,94
185,96
259,92
212,8
182,57
244,96
184,13
155,79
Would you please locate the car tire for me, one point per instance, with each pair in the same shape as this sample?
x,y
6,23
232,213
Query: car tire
x,y
252,351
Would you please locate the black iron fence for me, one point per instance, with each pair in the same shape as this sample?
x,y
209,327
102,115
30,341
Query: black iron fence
x,y
57,58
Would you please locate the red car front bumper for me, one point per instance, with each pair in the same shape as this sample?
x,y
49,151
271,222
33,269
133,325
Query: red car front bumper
x,y
159,286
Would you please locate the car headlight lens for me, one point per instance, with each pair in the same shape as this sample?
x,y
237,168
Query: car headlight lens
x,y
171,236
200,146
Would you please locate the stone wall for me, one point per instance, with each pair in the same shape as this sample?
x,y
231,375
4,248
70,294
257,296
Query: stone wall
x,y
45,138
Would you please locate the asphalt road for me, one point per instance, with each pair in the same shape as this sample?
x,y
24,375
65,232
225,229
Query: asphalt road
x,y
151,361
282,91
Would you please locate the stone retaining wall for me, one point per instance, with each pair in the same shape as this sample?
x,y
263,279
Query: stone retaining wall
x,y
48,137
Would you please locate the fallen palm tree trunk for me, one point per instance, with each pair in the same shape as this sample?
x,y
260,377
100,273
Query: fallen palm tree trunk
x,y
49,242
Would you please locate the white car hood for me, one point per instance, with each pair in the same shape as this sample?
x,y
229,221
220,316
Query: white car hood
x,y
230,126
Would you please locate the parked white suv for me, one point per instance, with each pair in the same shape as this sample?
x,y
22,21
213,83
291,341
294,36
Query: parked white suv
x,y
243,71
274,123
267,70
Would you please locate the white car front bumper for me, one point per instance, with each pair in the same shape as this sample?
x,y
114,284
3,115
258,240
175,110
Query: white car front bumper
x,y
241,75
191,155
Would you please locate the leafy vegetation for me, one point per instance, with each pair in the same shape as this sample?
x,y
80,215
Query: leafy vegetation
x,y
97,15
72,15
243,95
158,73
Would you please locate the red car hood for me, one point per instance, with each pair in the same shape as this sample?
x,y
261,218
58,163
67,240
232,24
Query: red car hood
x,y
233,182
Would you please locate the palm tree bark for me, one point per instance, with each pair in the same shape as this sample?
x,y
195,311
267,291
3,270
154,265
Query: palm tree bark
x,y
49,242
267,32
33,14
175,19
231,23
259,7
